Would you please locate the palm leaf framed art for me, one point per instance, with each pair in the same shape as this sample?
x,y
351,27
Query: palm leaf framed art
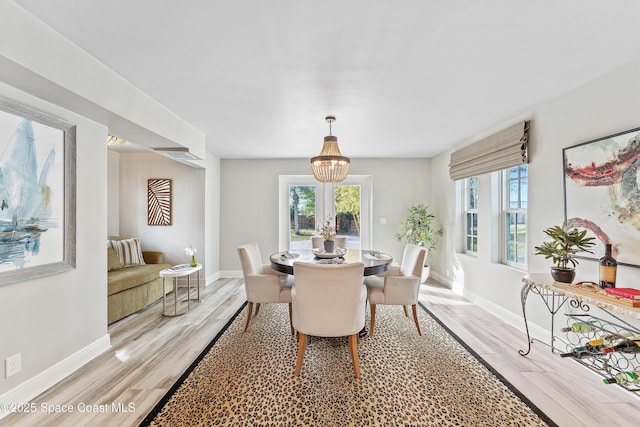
x,y
159,201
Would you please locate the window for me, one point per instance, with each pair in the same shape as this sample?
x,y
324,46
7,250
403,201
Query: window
x,y
471,214
515,183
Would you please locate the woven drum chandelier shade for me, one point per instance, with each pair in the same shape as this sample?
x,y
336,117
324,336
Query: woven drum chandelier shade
x,y
330,165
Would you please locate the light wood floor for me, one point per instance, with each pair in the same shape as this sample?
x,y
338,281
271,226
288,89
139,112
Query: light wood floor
x,y
149,352
570,394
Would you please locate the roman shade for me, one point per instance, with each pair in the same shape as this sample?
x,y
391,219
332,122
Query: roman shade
x,y
501,150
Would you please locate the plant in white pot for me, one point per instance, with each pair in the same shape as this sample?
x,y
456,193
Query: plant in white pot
x,y
417,229
566,241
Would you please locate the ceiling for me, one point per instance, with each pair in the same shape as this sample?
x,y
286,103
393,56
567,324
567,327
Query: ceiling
x,y
410,78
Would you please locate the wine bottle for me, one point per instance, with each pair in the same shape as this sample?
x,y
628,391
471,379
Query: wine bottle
x,y
623,378
624,346
613,343
612,337
608,268
582,327
582,352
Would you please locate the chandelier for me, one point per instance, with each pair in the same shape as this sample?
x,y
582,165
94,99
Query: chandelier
x,y
330,165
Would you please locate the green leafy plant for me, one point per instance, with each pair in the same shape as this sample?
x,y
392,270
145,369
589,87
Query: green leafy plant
x,y
418,229
566,241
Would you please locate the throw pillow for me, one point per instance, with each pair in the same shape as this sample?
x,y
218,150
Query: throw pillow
x,y
128,250
113,262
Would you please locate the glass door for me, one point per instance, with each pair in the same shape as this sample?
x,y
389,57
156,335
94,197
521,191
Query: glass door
x,y
300,197
347,208
302,216
305,203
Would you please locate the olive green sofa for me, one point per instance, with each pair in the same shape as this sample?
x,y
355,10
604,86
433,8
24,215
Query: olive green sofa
x,y
132,288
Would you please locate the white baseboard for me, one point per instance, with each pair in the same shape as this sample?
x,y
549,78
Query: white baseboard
x,y
231,274
204,282
34,386
441,279
212,278
515,320
509,317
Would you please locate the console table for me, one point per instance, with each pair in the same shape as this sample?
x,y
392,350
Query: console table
x,y
175,272
608,317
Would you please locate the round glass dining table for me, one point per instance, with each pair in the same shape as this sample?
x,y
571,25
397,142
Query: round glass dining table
x,y
374,262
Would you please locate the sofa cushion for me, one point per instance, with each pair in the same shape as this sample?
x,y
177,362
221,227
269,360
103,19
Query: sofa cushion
x,y
113,262
128,250
130,277
153,257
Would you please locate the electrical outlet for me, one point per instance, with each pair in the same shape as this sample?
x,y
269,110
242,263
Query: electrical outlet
x,y
12,365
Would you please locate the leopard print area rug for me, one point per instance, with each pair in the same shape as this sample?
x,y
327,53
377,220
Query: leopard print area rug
x,y
246,379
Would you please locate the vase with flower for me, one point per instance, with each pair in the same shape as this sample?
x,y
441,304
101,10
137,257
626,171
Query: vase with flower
x,y
328,231
191,251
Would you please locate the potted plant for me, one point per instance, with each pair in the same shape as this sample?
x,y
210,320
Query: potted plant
x,y
566,242
417,229
328,231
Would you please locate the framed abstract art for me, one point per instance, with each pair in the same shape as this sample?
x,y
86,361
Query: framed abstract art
x,y
37,193
601,192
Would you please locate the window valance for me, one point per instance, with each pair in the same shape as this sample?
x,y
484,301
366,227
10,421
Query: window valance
x,y
501,150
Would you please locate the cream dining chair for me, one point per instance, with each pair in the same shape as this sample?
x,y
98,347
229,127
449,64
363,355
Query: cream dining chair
x,y
262,283
328,301
318,242
400,285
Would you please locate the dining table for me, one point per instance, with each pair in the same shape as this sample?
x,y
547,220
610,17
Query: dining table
x,y
375,262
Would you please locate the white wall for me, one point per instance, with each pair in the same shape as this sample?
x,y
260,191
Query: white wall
x,y
249,201
597,109
57,317
212,218
188,207
196,201
59,322
113,193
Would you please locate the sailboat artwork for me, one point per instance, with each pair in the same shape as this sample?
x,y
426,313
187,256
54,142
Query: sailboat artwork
x,y
31,193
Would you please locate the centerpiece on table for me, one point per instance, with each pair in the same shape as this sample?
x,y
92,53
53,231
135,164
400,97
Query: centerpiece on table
x,y
328,231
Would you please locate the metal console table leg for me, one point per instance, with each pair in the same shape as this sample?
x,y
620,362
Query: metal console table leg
x,y
552,301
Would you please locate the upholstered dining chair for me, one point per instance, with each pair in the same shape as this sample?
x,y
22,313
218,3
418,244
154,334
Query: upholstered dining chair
x,y
328,301
318,242
262,283
400,285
